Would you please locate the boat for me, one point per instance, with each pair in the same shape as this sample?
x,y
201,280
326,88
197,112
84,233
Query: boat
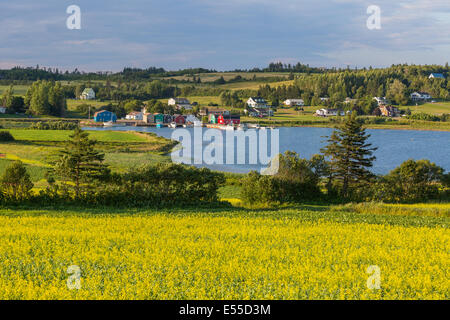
x,y
111,124
242,127
159,125
188,125
172,125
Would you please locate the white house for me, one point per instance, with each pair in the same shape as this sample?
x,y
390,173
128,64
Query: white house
x,y
436,76
193,119
2,109
294,103
420,96
135,115
88,94
257,103
180,103
381,101
329,112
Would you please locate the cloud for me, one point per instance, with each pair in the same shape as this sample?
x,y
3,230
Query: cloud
x,y
223,34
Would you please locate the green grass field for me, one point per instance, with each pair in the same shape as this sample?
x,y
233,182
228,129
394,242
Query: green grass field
x,y
36,148
62,135
19,90
436,108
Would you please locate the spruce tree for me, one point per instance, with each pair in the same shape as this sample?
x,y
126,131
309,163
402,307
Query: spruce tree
x,y
79,162
350,155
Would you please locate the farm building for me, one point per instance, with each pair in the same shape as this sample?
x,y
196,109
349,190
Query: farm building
x,y
231,119
381,101
158,118
180,103
179,119
420,96
329,112
105,116
294,103
257,103
148,118
88,94
389,111
135,115
436,76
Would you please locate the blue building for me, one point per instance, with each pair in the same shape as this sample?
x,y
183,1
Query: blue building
x,y
105,116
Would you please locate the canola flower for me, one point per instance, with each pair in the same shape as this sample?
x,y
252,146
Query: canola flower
x,y
191,256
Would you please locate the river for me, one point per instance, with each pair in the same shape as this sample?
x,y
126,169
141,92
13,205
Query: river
x,y
394,146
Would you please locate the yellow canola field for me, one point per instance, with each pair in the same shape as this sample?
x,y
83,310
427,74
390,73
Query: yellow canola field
x,y
201,257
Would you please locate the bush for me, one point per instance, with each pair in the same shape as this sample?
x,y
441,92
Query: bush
x,y
412,181
16,183
6,136
296,181
54,125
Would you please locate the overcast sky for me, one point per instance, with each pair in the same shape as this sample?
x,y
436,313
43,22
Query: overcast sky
x,y
223,35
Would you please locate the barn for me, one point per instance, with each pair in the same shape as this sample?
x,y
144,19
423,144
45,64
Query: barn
x,y
105,116
231,119
179,119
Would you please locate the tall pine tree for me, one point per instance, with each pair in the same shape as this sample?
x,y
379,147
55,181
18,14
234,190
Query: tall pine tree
x,y
350,155
79,162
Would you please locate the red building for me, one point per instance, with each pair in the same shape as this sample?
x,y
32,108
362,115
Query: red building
x,y
229,119
179,119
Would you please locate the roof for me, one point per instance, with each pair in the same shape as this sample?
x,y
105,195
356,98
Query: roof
x,y
87,90
101,111
437,75
258,99
181,100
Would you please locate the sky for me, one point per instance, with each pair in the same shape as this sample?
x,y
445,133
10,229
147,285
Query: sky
x,y
222,35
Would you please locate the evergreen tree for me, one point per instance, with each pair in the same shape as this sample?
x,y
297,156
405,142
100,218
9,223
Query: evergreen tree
x,y
16,182
79,162
350,155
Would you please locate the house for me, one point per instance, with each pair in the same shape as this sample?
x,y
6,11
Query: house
x,y
213,118
148,118
219,111
105,116
389,111
350,100
2,109
179,119
192,119
381,101
329,112
259,113
436,76
257,103
324,99
135,115
158,118
88,94
180,103
231,119
294,103
420,96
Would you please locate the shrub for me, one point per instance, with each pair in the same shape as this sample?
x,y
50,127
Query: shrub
x,y
412,181
16,183
6,136
296,181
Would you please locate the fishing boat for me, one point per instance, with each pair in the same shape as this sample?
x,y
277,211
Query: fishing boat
x,y
172,125
111,124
